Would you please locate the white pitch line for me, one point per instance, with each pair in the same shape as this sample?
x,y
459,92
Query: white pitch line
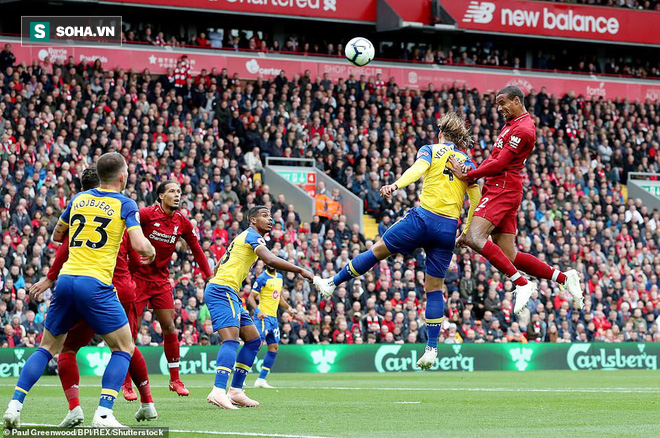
x,y
352,388
407,403
207,432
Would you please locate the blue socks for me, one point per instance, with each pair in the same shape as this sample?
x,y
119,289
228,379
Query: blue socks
x,y
225,362
356,267
435,312
31,372
113,377
269,360
244,362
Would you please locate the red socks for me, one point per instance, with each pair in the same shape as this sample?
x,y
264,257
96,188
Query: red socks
x,y
67,368
171,346
138,372
497,258
536,268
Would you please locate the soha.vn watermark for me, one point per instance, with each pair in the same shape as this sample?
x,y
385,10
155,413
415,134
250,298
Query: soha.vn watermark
x,y
74,30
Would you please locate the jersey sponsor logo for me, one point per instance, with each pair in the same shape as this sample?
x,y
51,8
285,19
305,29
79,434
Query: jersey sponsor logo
x,y
479,12
255,285
514,141
162,237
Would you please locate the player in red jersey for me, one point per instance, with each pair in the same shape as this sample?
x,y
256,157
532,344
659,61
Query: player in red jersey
x,y
81,333
496,215
163,224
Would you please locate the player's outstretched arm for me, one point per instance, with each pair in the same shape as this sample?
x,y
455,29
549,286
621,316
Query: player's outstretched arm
x,y
474,193
272,260
411,175
198,253
488,168
252,302
288,307
142,245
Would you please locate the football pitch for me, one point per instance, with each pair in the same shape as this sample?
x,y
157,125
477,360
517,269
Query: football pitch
x,y
540,403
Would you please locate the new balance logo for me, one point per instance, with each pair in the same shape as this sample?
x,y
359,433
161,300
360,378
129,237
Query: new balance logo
x,y
514,141
479,12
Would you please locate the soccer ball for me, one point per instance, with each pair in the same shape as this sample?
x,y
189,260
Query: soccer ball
x,y
359,51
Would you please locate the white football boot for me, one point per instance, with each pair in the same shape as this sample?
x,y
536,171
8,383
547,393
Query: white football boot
x,y
261,383
325,286
428,358
74,418
573,286
146,412
523,294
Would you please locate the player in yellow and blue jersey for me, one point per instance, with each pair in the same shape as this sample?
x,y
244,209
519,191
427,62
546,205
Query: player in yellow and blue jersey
x,y
97,219
268,287
431,226
229,317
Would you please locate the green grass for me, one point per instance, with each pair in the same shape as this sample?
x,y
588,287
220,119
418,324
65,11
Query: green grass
x,y
511,404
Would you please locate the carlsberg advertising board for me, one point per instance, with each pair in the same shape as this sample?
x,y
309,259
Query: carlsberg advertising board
x,y
383,358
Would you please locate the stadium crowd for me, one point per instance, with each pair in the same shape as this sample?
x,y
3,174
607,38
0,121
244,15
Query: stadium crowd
x,y
481,52
629,4
211,132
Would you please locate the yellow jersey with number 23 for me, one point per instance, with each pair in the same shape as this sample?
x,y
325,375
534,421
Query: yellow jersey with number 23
x,y
97,219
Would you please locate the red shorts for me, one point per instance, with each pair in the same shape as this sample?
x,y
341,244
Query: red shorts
x,y
500,208
157,294
81,333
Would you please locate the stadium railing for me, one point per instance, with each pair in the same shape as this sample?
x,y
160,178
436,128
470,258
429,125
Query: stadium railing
x,y
645,186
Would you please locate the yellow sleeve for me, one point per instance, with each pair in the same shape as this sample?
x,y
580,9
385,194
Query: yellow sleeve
x,y
414,173
474,193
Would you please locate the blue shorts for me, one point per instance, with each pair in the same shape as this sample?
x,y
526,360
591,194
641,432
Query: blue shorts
x,y
420,228
225,307
268,329
82,297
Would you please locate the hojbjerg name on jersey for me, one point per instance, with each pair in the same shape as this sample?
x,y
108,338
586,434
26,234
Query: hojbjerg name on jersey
x,y
96,203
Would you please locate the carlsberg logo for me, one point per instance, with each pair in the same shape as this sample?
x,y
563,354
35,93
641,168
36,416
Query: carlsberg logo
x,y
387,359
580,358
203,365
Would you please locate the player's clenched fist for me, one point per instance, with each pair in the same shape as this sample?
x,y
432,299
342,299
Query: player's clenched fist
x,y
386,191
462,241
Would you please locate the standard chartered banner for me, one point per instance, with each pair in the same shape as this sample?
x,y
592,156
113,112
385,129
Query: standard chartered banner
x,y
383,358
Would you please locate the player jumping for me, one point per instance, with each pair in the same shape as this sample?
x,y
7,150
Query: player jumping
x,y
230,319
431,226
268,287
496,215
84,290
81,333
163,224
